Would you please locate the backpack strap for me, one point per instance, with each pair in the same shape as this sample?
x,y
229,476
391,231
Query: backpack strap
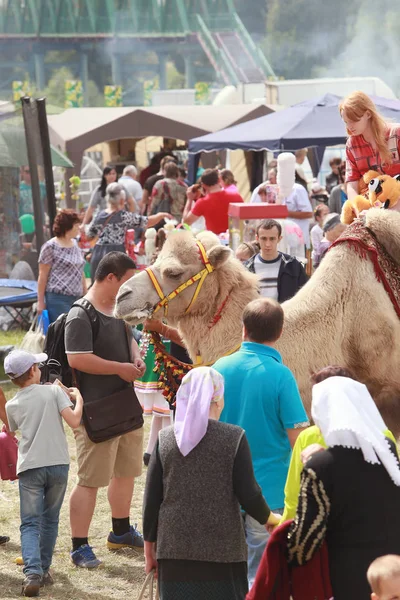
x,y
95,323
91,313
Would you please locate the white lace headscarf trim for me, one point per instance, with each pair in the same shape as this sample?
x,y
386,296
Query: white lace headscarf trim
x,y
347,416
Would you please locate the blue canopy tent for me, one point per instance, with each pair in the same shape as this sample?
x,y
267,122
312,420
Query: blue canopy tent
x,y
315,122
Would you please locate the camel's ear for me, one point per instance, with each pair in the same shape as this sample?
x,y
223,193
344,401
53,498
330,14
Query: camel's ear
x,y
218,255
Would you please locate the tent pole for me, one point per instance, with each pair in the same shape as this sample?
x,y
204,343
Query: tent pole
x,y
47,162
33,168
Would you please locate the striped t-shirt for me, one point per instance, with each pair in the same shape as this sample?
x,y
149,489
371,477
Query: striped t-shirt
x,y
267,272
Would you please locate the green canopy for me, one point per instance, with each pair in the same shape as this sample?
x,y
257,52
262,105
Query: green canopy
x,y
13,151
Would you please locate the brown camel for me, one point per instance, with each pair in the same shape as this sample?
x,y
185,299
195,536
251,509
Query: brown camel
x,y
343,315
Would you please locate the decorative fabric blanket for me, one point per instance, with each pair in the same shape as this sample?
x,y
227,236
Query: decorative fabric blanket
x,y
365,243
170,370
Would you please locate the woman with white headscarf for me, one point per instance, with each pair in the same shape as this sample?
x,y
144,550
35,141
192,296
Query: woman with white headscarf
x,y
350,493
199,475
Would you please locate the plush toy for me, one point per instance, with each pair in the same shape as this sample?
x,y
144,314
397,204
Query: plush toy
x,y
383,192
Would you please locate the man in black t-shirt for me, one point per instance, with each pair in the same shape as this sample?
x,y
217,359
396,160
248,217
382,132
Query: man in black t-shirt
x,y
106,365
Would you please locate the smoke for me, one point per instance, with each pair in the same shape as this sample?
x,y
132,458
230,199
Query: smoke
x,y
374,47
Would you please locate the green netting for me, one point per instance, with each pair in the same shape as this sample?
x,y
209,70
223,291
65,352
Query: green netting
x,y
13,146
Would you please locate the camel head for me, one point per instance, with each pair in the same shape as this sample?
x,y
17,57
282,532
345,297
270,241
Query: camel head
x,y
178,261
385,224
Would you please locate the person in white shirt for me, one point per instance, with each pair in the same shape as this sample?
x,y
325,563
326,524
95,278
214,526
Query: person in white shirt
x,y
132,186
300,210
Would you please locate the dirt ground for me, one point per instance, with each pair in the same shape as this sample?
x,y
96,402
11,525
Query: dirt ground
x,y
122,572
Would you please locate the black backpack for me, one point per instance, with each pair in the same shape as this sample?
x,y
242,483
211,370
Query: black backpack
x,y
57,366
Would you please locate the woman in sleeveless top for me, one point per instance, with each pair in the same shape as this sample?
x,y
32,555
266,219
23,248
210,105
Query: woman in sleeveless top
x,y
200,474
373,143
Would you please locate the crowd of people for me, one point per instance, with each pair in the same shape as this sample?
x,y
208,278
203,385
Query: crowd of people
x,y
269,493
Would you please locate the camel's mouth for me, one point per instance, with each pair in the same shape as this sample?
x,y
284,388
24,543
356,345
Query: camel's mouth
x,y
136,316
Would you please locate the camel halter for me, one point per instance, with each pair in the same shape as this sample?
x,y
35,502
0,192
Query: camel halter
x,y
199,277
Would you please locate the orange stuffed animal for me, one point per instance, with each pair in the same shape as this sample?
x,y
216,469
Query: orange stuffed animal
x,y
383,192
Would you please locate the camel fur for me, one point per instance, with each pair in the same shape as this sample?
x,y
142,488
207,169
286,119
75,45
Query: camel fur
x,y
342,316
178,261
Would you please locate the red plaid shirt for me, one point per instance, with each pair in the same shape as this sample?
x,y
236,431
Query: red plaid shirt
x,y
361,157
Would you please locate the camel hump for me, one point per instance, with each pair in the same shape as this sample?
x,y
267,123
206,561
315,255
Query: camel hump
x,y
385,224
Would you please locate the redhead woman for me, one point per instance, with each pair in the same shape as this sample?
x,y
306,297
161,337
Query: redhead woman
x,y
373,144
61,279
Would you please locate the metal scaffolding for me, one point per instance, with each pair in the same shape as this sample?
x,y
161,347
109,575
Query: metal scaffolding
x,y
186,27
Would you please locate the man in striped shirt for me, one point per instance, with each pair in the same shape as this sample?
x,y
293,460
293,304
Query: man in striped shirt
x,y
280,275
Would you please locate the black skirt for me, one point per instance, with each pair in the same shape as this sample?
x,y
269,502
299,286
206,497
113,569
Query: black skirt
x,y
199,580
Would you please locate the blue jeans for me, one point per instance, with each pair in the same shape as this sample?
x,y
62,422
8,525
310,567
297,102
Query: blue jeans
x,y
57,304
41,494
257,538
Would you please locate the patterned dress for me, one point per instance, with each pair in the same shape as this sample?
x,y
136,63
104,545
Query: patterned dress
x,y
111,231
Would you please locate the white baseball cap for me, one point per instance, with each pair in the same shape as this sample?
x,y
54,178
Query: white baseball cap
x,y
19,362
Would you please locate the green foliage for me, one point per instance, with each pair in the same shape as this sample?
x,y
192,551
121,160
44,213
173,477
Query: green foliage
x,y
95,96
255,19
304,34
55,90
175,80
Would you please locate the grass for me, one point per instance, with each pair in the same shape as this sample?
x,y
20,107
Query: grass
x,y
123,572
9,338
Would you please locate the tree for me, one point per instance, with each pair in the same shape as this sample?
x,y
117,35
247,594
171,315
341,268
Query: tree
x,y
175,79
365,53
55,90
305,34
254,19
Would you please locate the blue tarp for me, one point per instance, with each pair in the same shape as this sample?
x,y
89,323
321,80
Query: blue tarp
x,y
17,290
315,122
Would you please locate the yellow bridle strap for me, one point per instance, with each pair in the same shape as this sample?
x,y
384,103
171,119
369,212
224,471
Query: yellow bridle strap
x,y
155,283
204,257
200,277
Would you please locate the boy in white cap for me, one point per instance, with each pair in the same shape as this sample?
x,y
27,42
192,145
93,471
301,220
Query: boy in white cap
x,y
43,460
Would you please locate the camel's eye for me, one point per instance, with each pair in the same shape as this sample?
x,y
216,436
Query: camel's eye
x,y
173,273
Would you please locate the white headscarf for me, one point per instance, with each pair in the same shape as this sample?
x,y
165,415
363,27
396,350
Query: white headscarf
x,y
198,389
346,414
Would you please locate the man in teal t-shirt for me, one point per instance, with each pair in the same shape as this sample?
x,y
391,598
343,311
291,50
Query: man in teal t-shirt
x,y
261,395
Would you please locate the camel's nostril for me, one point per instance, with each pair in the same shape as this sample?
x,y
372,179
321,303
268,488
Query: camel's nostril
x,y
123,295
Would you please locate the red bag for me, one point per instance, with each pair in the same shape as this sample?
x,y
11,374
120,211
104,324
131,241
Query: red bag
x,y
8,456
